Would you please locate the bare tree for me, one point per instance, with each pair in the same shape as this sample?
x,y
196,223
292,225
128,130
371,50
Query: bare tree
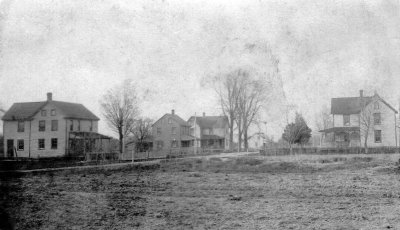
x,y
141,130
120,108
253,94
2,108
227,87
323,120
366,123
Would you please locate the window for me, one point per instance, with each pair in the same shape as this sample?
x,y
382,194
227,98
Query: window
x,y
79,125
377,118
169,120
346,120
54,125
71,126
21,126
53,112
43,113
54,143
159,144
91,126
41,143
158,131
42,126
211,131
376,105
20,145
192,131
174,144
378,136
173,130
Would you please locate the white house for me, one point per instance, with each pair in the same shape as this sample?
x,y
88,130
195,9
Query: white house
x,y
48,129
210,132
361,119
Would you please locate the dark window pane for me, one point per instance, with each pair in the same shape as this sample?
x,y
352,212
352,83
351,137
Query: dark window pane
x,y
20,144
54,125
21,126
42,126
54,143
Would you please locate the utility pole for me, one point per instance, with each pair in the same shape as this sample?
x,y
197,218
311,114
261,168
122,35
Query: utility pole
x,y
194,135
265,136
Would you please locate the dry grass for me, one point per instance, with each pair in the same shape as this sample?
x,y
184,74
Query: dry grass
x,y
287,192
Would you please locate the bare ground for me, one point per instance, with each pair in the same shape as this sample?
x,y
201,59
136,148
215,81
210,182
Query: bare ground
x,y
291,192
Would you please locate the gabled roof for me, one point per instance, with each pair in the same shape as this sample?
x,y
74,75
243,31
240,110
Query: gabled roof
x,y
22,111
177,118
26,110
208,122
353,105
348,105
74,110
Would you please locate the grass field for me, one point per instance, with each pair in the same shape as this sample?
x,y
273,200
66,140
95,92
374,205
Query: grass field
x,y
287,192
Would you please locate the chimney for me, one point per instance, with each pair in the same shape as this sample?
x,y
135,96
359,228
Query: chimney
x,y
204,114
173,111
361,93
49,96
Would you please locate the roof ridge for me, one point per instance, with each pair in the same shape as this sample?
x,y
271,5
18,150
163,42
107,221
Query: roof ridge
x,y
351,97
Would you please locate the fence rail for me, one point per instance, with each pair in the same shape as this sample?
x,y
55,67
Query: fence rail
x,y
329,150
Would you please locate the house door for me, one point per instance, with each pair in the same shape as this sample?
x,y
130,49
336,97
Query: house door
x,y
10,148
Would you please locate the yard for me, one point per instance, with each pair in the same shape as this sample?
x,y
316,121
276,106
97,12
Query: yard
x,y
253,192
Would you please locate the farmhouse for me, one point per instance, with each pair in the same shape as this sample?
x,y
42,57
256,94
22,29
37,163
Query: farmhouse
x,y
360,120
49,129
211,132
171,133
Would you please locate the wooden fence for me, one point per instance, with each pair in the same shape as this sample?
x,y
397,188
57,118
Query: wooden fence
x,y
329,150
169,153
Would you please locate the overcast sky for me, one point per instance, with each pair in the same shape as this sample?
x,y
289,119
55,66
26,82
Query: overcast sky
x,y
79,49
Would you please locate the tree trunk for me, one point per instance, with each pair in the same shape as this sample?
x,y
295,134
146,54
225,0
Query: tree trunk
x,y
121,137
240,136
231,135
365,145
246,143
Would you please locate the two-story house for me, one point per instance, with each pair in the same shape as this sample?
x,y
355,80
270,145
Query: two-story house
x,y
211,132
362,120
170,133
44,129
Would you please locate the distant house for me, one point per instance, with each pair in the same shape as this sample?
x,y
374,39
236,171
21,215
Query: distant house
x,y
48,129
350,118
171,133
211,132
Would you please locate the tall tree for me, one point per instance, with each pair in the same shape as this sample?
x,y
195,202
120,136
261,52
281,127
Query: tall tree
x,y
323,120
303,130
120,108
141,130
253,94
227,87
366,122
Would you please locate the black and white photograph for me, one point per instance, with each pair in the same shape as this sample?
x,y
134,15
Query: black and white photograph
x,y
199,114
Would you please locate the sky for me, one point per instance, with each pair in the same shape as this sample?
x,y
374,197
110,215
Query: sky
x,y
80,49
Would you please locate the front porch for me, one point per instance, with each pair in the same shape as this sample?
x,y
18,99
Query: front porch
x,y
89,145
341,137
212,142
